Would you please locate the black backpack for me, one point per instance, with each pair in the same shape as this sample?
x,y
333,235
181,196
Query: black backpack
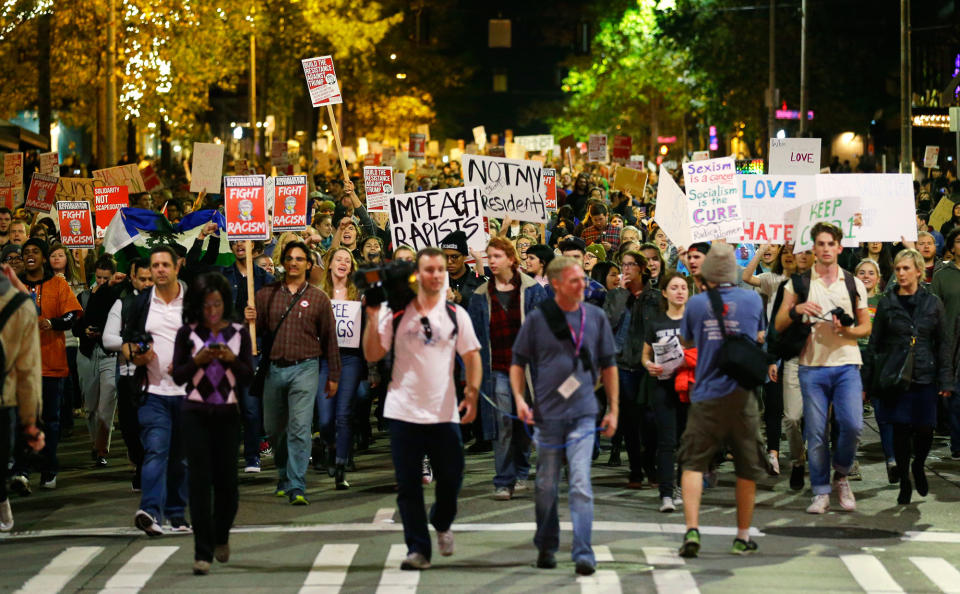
x,y
789,343
5,314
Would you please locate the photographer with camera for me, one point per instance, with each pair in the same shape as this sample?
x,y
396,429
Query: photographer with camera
x,y
829,363
425,333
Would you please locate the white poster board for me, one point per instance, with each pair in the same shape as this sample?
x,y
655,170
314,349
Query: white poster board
x,y
378,185
792,156
421,219
839,212
713,199
480,137
671,213
886,202
347,316
597,149
931,154
509,187
765,199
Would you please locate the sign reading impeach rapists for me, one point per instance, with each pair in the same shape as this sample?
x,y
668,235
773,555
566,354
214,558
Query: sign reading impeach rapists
x,y
246,207
509,188
422,219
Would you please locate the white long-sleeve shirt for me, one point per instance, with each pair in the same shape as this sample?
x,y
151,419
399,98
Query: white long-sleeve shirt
x,y
113,341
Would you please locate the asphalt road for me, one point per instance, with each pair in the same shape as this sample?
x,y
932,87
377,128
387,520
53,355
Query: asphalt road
x,y
80,537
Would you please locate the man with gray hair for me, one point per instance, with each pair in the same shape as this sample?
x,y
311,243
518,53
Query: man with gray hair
x,y
568,345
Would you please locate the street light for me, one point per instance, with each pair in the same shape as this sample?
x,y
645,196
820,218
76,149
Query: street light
x,y
401,75
393,56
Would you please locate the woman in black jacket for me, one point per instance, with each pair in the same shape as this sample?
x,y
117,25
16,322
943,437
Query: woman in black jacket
x,y
909,315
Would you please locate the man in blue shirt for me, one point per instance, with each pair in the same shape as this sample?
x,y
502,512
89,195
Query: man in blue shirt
x,y
721,411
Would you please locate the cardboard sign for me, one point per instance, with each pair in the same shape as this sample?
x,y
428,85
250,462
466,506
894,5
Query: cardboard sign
x,y
151,180
42,193
534,143
480,137
322,81
242,167
378,183
791,156
671,213
389,156
713,199
886,202
76,225
246,207
290,203
422,219
942,213
278,153
700,155
49,163
765,199
107,201
597,148
550,188
622,147
508,187
207,168
124,175
347,317
417,146
839,212
630,179
931,154
71,189
13,170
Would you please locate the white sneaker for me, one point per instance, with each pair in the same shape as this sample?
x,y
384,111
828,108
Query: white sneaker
x,y
820,505
445,542
6,516
144,521
427,473
251,469
414,562
666,505
502,494
51,484
677,496
845,494
520,485
773,462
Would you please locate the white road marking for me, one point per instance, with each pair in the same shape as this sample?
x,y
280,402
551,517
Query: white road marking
x,y
940,572
394,580
662,556
135,573
675,581
933,536
329,569
384,515
604,581
61,569
602,554
870,574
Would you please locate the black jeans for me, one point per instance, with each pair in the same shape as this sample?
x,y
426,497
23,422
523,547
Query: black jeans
x,y
211,439
127,393
773,412
671,415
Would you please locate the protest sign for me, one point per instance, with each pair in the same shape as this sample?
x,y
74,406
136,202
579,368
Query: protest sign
x,y
480,137
6,194
240,167
290,203
123,175
508,187
942,213
49,163
399,182
512,150
421,219
246,207
388,156
347,317
597,148
278,154
13,170
151,181
76,228
417,146
550,188
789,156
700,155
495,150
106,202
930,156
349,154
378,183
371,159
71,189
433,148
567,142
765,198
322,81
42,192
536,142
631,180
622,147
839,212
671,213
207,167
636,162
713,199
886,202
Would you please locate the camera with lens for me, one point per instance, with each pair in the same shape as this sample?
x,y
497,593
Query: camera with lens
x,y
844,317
391,283
141,341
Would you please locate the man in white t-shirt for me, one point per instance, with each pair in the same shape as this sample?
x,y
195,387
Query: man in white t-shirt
x,y
422,401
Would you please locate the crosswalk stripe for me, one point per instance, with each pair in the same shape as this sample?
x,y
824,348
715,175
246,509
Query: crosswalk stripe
x,y
383,515
394,580
604,581
940,572
675,581
329,569
870,574
662,556
61,569
135,573
602,554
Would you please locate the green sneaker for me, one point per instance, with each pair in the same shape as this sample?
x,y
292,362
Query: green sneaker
x,y
299,499
743,547
280,493
691,544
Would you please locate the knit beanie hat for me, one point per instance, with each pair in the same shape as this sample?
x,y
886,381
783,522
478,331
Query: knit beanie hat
x,y
720,264
597,250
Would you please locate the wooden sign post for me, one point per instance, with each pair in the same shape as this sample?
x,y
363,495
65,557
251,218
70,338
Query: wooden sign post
x,y
336,137
248,248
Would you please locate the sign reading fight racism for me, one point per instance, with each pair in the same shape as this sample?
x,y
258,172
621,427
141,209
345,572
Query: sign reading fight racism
x,y
43,190
422,219
417,147
207,168
6,194
49,163
713,199
13,170
124,175
839,212
794,156
347,317
246,208
322,81
76,228
508,187
107,201
764,200
290,203
597,148
378,183
550,188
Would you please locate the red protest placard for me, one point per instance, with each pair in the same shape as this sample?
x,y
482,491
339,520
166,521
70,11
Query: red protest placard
x,y
550,187
6,194
13,170
42,192
150,179
246,207
290,203
76,225
107,201
418,146
622,147
378,184
322,81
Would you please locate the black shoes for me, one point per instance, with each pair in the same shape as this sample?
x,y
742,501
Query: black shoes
x,y
906,490
546,560
585,568
893,473
920,479
796,478
340,476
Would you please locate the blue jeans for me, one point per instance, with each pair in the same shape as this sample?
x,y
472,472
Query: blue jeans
x,y
549,462
511,448
953,420
336,413
288,396
252,421
164,472
441,442
822,386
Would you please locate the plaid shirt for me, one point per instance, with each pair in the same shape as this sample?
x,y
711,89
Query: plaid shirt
x,y
308,332
504,325
610,235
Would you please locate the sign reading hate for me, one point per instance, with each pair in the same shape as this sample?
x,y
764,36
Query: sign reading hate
x,y
76,229
322,81
794,156
509,188
42,193
421,219
246,208
107,202
765,198
347,317
713,199
290,203
378,184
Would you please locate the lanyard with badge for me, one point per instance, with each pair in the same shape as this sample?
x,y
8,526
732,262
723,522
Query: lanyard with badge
x,y
571,384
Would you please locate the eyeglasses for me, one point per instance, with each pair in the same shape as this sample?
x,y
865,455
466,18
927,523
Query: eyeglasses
x,y
294,259
427,330
13,258
629,264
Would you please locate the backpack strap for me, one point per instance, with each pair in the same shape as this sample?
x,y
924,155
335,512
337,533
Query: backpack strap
x,y
15,302
451,311
557,323
849,280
